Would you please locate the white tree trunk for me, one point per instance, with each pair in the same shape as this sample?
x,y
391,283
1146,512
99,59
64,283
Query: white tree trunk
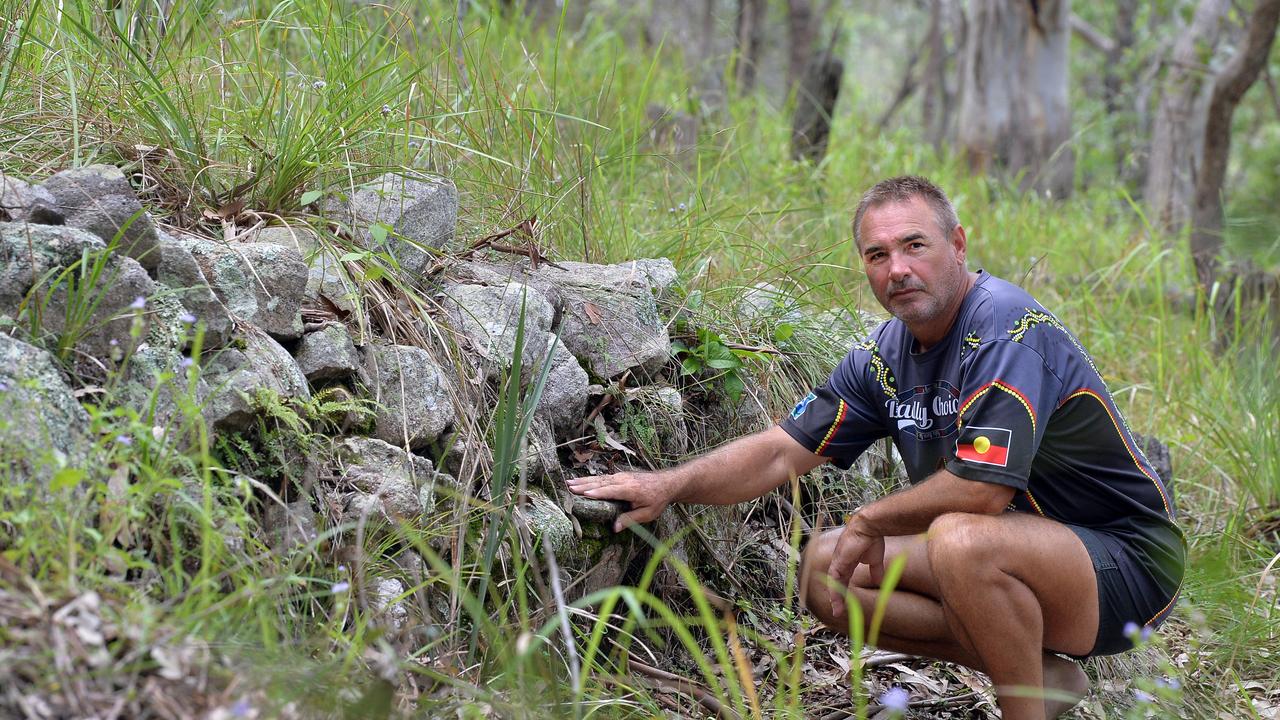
x,y
1175,143
1014,112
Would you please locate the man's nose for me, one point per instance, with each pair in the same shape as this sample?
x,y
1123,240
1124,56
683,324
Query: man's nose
x,y
899,268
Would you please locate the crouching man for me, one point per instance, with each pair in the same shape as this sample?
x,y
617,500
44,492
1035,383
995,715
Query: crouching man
x,y
1034,530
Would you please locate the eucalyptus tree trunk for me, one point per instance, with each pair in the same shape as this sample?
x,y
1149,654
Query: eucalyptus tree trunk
x,y
1175,143
1229,87
802,27
1014,114
750,36
937,94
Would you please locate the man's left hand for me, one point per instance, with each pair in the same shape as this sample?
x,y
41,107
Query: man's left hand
x,y
855,547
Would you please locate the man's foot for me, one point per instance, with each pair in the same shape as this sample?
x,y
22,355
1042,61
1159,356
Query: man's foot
x,y
1065,685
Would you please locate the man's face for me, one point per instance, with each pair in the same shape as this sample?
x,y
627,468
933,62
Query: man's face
x,y
916,270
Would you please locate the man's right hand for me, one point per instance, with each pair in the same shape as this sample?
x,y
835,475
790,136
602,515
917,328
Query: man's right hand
x,y
648,492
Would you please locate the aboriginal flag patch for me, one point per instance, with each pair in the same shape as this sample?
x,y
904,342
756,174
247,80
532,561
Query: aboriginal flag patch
x,y
986,445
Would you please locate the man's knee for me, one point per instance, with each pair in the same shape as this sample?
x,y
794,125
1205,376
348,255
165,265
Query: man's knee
x,y
960,543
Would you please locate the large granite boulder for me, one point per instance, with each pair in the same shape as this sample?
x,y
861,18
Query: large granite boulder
x,y
260,283
179,272
234,373
98,198
42,427
414,394
415,212
20,202
102,311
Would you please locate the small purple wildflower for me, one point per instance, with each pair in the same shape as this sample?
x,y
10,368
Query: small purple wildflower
x,y
4,386
124,440
1170,683
241,709
895,699
138,303
341,587
342,568
187,318
1146,633
1131,630
187,362
319,85
113,342
1143,696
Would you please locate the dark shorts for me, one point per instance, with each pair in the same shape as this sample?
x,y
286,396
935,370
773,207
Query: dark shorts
x,y
1127,592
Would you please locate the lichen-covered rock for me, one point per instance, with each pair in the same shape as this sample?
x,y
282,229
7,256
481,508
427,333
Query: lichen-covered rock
x,y
609,318
663,278
101,312
328,354
98,198
489,317
413,393
234,374
156,381
328,282
179,271
598,512
260,283
384,480
290,526
42,427
417,212
20,202
608,315
388,601
542,465
564,396
298,237
549,524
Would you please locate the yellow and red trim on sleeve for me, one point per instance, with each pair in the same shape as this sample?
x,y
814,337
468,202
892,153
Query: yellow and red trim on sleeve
x,y
841,411
999,385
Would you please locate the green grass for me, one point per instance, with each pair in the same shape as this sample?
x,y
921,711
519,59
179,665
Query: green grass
x,y
255,105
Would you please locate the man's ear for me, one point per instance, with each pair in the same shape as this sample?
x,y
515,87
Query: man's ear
x,y
959,241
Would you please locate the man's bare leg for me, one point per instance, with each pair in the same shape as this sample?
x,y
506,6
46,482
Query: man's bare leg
x,y
917,622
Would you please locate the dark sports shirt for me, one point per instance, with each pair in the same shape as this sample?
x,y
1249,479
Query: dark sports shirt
x,y
1008,397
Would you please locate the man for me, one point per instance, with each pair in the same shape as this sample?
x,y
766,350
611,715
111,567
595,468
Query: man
x,y
1034,527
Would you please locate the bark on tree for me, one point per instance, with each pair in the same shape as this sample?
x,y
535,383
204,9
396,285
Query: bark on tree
x,y
815,104
750,26
802,26
937,88
1175,144
1230,86
1014,112
687,27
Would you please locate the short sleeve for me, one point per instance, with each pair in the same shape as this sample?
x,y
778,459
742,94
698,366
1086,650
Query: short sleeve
x,y
1008,394
835,420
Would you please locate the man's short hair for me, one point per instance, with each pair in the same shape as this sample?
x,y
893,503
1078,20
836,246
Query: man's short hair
x,y
901,189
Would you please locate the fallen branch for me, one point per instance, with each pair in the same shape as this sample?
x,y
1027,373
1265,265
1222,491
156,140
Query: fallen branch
x,y
675,682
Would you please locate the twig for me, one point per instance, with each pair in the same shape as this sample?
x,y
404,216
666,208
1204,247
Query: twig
x,y
876,661
684,685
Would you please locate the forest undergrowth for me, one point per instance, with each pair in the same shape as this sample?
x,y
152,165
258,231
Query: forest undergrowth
x,y
231,114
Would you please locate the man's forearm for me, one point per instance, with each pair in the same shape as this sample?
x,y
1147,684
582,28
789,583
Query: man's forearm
x,y
910,511
742,470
